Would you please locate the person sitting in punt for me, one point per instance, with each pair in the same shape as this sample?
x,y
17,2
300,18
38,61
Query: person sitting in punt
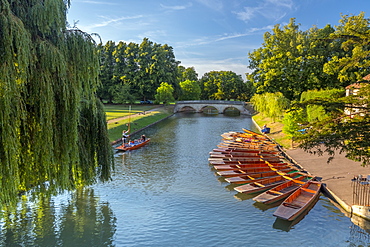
x,y
143,138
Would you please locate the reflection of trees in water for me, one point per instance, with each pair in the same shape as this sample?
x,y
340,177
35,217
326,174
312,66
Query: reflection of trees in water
x,y
79,220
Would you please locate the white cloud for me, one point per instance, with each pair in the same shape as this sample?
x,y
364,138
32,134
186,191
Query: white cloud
x,y
203,66
269,9
177,7
110,21
102,3
212,4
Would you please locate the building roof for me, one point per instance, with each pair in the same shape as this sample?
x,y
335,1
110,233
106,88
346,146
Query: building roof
x,y
366,78
359,84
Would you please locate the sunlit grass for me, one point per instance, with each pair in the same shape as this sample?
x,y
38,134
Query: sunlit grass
x,y
117,111
276,130
137,122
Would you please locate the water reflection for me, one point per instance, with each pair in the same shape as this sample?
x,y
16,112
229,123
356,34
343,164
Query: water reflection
x,y
166,194
360,231
286,225
74,219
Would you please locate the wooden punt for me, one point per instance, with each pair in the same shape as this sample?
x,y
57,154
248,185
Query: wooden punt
x,y
282,191
238,156
251,134
126,147
246,166
250,161
215,161
248,171
298,201
265,184
245,150
245,159
255,177
247,145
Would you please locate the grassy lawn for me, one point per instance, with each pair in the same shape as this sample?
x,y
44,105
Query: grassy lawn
x,y
276,130
117,111
115,128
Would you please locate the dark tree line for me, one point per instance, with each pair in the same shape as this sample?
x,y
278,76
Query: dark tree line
x,y
134,71
131,72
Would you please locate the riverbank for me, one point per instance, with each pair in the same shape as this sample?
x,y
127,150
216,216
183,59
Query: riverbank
x,y
336,176
137,121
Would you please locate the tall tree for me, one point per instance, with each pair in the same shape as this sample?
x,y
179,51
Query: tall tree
x,y
271,105
48,81
349,134
107,67
164,93
291,61
223,85
140,69
353,62
190,90
187,74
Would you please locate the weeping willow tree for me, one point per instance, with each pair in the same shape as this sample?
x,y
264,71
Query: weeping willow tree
x,y
272,105
53,131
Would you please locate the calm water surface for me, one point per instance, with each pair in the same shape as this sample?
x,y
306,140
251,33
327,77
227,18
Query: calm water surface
x,y
166,194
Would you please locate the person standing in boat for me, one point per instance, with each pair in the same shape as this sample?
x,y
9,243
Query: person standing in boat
x,y
143,138
125,136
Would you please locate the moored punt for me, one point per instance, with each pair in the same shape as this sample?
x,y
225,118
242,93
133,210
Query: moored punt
x,y
283,190
265,184
247,171
237,156
252,132
252,146
231,152
218,161
127,147
252,135
255,177
245,159
246,166
245,150
298,201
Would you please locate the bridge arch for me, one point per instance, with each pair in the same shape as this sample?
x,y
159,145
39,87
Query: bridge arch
x,y
219,105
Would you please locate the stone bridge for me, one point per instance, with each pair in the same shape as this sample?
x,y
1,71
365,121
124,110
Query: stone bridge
x,y
219,105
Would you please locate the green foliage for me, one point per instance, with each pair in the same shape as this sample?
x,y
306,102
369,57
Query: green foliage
x,y
190,90
272,105
224,85
136,69
353,61
291,61
48,81
317,112
164,93
121,94
338,131
293,122
187,74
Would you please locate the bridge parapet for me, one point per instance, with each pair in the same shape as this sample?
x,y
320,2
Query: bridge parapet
x,y
223,102
220,105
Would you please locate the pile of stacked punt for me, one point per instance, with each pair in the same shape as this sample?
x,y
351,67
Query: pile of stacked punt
x,y
254,164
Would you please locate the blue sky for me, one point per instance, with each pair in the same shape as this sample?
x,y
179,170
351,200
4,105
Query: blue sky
x,y
205,34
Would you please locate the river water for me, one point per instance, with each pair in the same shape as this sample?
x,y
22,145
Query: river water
x,y
166,194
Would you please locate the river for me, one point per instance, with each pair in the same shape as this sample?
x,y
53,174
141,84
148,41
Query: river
x,y
166,194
